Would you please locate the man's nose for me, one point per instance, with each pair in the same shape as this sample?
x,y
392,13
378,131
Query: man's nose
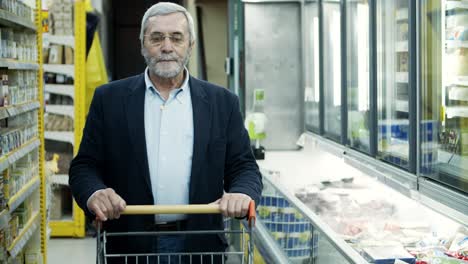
x,y
167,45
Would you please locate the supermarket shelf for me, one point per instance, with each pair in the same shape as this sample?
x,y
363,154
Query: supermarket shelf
x,y
457,5
60,69
16,154
11,20
62,89
402,14
18,65
401,77
14,110
458,93
66,110
60,136
61,40
24,193
461,80
402,46
4,113
4,218
60,179
456,111
402,105
454,44
27,232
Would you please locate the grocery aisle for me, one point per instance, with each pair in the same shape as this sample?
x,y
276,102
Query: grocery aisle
x,y
75,251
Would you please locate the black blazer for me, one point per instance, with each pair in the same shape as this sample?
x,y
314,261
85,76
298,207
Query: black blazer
x,y
113,154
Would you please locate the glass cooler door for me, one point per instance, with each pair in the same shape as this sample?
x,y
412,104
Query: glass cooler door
x,y
312,82
393,81
332,68
444,88
357,49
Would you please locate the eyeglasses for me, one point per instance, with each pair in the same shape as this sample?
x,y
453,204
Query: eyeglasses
x,y
156,39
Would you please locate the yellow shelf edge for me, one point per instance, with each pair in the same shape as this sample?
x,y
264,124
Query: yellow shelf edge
x,y
24,231
18,65
6,108
23,190
25,145
4,218
5,158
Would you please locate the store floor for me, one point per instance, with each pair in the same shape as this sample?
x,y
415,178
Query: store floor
x,y
74,251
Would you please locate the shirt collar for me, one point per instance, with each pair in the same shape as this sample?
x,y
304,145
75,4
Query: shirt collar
x,y
180,92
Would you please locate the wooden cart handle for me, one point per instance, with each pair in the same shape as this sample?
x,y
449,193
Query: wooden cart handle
x,y
185,209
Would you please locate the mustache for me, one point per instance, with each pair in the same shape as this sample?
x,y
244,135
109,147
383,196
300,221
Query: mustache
x,y
164,57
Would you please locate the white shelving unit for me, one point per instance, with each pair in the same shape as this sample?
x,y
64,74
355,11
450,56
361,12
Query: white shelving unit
x,y
401,77
458,93
402,14
61,40
66,137
457,111
66,110
402,46
463,4
60,69
61,89
456,44
402,105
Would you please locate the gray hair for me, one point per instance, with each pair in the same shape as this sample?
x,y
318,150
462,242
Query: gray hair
x,y
166,8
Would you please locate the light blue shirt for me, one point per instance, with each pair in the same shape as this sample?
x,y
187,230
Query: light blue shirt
x,y
169,144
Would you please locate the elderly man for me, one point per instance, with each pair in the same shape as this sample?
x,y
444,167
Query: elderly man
x,y
164,137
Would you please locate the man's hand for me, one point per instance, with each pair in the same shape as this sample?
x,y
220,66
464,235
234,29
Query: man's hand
x,y
234,204
106,204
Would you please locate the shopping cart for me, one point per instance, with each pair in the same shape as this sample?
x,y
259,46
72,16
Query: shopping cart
x,y
243,255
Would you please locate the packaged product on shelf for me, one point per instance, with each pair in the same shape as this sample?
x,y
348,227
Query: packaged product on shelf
x,y
55,122
403,62
60,78
5,89
55,54
33,256
49,78
68,55
18,8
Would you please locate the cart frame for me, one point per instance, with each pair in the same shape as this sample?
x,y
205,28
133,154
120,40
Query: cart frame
x,y
246,247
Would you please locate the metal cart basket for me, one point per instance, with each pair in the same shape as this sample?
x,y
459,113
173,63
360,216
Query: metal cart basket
x,y
243,255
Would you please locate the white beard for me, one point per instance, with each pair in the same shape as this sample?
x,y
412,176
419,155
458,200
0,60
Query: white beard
x,y
166,70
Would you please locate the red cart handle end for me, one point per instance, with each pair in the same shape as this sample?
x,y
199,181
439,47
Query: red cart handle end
x,y
252,217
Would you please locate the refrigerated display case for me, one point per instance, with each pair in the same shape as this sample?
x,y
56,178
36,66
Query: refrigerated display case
x,y
444,93
331,51
357,76
346,215
393,85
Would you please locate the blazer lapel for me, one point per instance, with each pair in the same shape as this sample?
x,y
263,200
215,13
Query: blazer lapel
x,y
135,109
201,129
